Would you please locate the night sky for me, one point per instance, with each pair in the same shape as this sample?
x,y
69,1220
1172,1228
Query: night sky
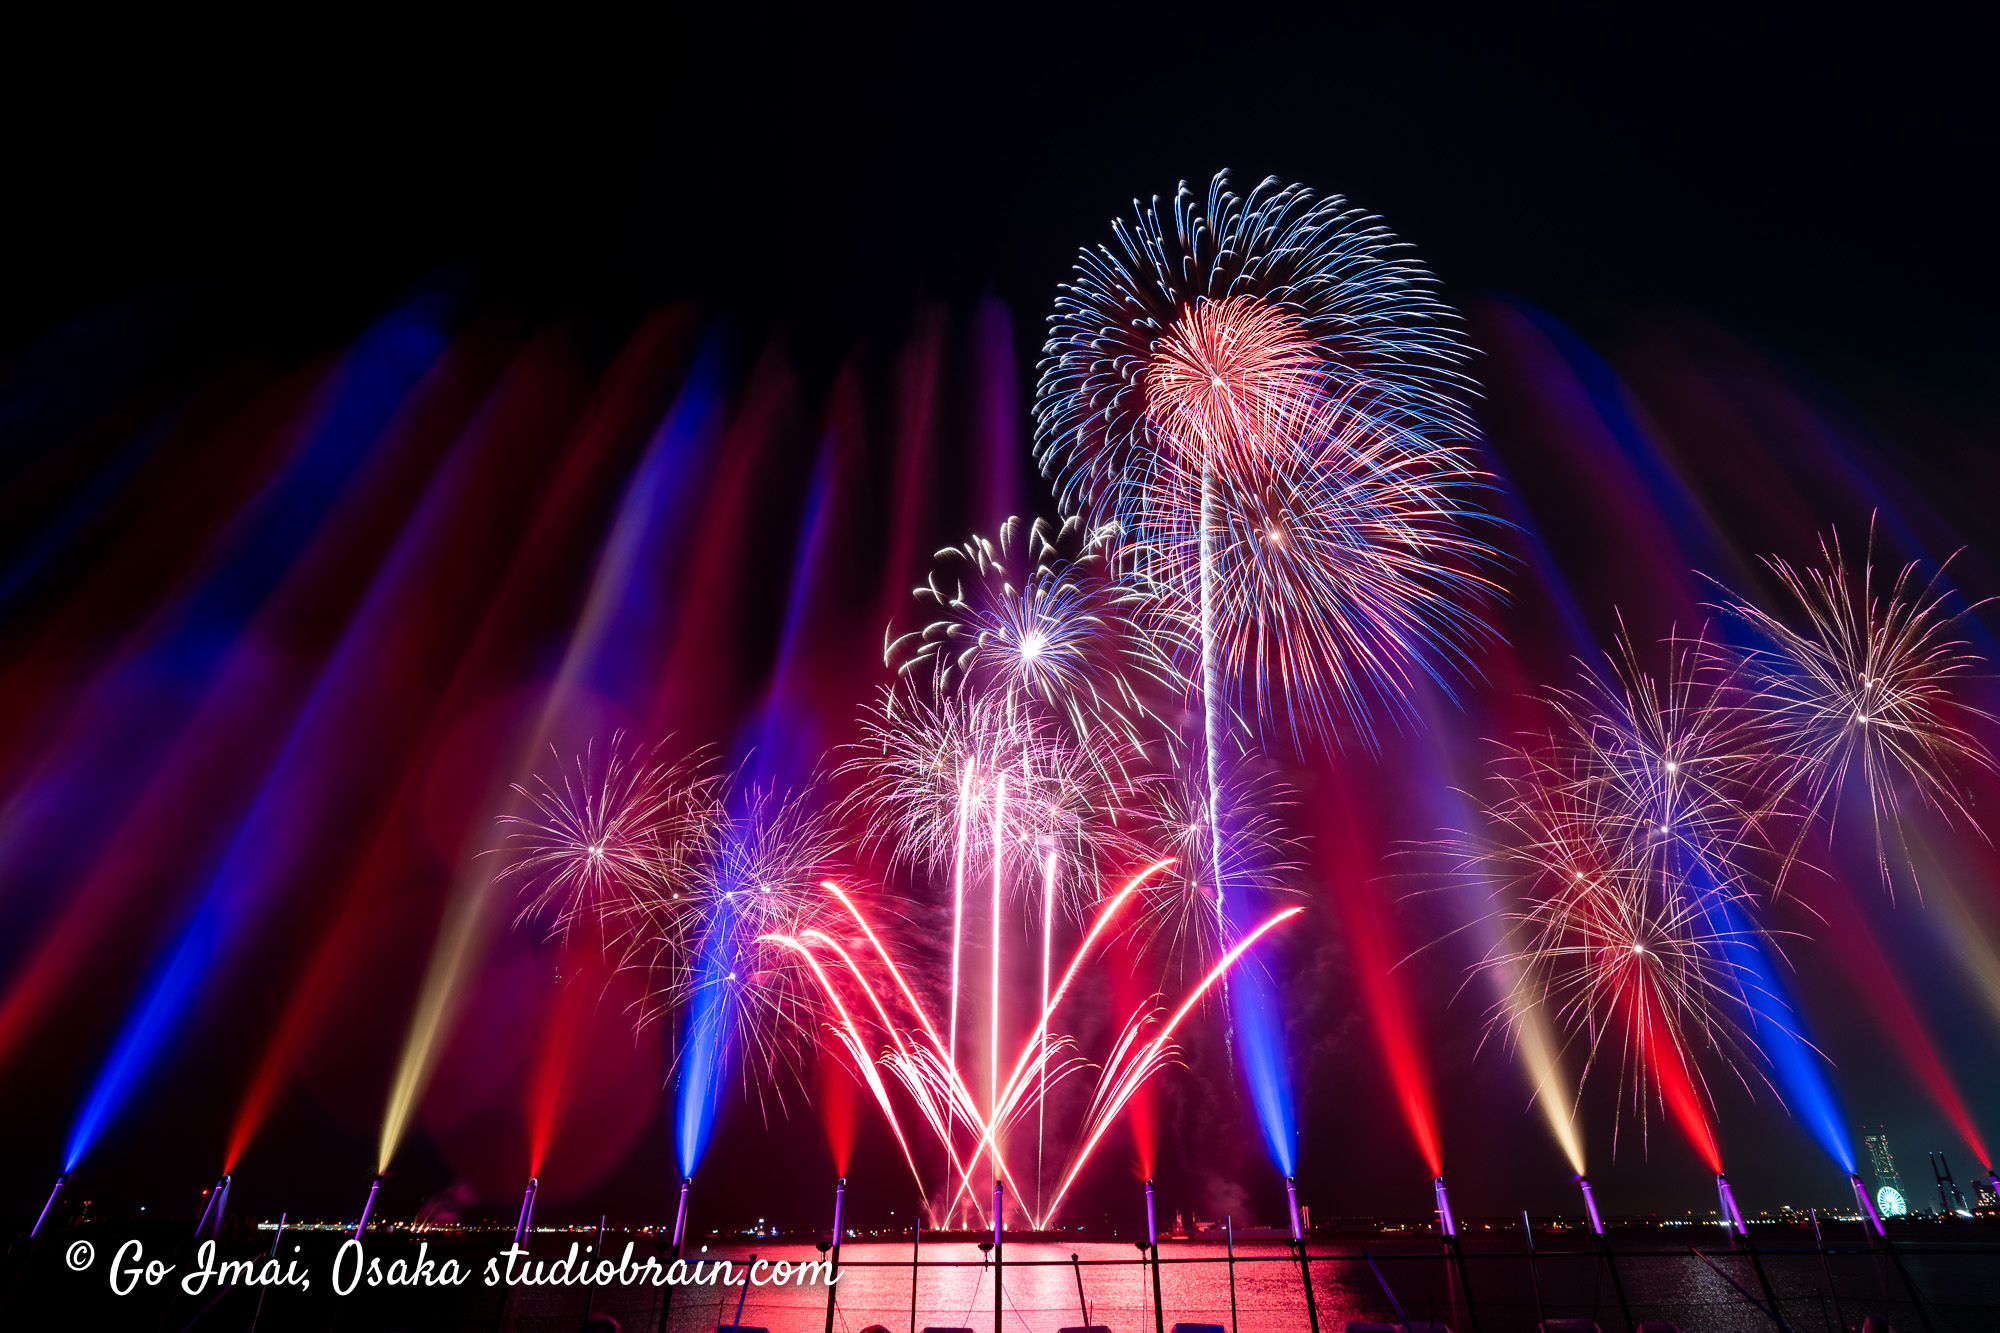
x,y
1816,188
1814,176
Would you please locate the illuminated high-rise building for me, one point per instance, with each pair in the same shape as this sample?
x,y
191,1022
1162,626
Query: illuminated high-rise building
x,y
1880,1160
1889,1200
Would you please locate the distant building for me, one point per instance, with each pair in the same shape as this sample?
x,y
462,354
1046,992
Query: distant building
x,y
1881,1161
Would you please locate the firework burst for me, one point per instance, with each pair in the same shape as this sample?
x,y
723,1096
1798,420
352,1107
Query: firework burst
x,y
673,873
759,875
1033,620
1178,919
1268,293
1863,692
1013,728
936,766
1340,572
1626,840
1671,764
1267,400
610,845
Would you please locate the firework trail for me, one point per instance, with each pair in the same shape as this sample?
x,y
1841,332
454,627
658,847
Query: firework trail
x,y
1132,1064
960,783
1005,751
1858,688
916,1055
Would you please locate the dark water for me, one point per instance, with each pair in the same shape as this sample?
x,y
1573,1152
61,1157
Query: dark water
x,y
1040,1288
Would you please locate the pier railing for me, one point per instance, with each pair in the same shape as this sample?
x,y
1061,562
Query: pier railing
x,y
1480,1287
1925,1279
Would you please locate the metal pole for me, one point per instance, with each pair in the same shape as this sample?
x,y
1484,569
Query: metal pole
x,y
1869,1216
916,1246
1394,1304
263,1290
1076,1267
1826,1266
221,1203
367,1206
1731,1213
1948,1191
1881,1234
999,1237
209,1205
839,1193
1768,1313
1604,1245
1299,1243
1229,1235
1451,1245
680,1235
61,1181
526,1220
590,1291
522,1224
743,1295
1534,1270
208,1198
1732,1216
1153,1248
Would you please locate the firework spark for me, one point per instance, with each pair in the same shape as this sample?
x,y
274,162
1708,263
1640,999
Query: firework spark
x,y
922,1064
1339,571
